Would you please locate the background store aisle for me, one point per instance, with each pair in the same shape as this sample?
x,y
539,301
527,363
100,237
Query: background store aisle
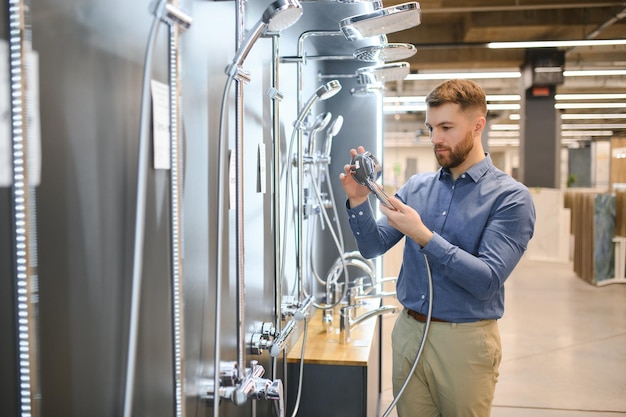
x,y
563,341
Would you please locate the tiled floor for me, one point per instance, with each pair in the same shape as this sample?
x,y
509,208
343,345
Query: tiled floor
x,y
564,346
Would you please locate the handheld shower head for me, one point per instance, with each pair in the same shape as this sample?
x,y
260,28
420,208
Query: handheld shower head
x,y
324,92
365,170
277,16
381,21
335,126
385,52
333,130
320,122
281,14
379,74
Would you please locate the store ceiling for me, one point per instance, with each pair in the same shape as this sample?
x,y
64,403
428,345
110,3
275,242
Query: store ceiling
x,y
453,34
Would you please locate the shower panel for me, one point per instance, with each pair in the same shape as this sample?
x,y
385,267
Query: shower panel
x,y
248,383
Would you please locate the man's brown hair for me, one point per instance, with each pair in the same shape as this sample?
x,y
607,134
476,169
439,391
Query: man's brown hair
x,y
466,93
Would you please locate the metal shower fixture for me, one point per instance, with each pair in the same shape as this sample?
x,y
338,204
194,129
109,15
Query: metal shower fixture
x,y
278,16
380,74
385,52
382,21
333,130
324,92
376,75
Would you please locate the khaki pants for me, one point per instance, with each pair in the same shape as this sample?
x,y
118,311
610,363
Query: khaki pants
x,y
458,370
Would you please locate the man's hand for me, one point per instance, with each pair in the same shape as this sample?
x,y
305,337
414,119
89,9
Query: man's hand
x,y
357,193
408,221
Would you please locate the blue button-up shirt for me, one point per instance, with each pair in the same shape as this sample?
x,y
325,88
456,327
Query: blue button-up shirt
x,y
482,223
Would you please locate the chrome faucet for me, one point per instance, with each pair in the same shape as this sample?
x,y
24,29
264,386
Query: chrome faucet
x,y
347,323
357,293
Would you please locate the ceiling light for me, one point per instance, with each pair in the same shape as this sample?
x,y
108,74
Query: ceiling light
x,y
504,127
590,105
588,116
594,73
590,96
509,74
570,126
587,133
556,44
465,75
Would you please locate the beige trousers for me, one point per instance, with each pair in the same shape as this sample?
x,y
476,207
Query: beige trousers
x,y
457,372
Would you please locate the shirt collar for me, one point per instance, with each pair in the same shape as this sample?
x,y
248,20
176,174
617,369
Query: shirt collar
x,y
475,172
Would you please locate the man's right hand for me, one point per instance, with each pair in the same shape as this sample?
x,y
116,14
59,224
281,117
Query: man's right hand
x,y
357,193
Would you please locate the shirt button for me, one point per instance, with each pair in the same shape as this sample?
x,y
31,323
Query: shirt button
x,y
353,216
423,297
360,213
443,213
463,176
358,233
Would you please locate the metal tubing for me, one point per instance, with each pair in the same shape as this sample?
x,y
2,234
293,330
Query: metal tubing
x,y
142,167
175,224
239,209
275,117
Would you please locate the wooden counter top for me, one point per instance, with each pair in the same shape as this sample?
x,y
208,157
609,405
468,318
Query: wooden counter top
x,y
323,347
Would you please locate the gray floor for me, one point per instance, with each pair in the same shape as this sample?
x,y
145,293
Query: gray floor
x,y
564,346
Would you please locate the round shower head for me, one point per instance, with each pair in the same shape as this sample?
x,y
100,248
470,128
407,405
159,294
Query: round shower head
x,y
324,92
387,20
281,14
328,90
383,73
385,52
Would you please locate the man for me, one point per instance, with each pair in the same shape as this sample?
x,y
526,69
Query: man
x,y
470,223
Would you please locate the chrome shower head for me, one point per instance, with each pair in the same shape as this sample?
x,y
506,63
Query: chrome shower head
x,y
281,14
320,122
324,92
387,20
368,90
385,52
335,126
328,90
379,74
277,16
333,130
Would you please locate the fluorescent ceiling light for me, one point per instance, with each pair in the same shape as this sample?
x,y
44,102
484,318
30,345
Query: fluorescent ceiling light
x,y
509,74
588,116
556,44
570,126
504,127
504,134
594,73
590,105
466,75
422,99
590,96
587,133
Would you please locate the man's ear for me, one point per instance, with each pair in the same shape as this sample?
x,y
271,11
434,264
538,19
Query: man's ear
x,y
479,124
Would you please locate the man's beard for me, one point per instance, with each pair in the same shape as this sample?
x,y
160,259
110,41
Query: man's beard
x,y
456,156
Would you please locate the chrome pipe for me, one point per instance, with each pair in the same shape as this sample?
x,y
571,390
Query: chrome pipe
x,y
239,211
275,134
140,215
